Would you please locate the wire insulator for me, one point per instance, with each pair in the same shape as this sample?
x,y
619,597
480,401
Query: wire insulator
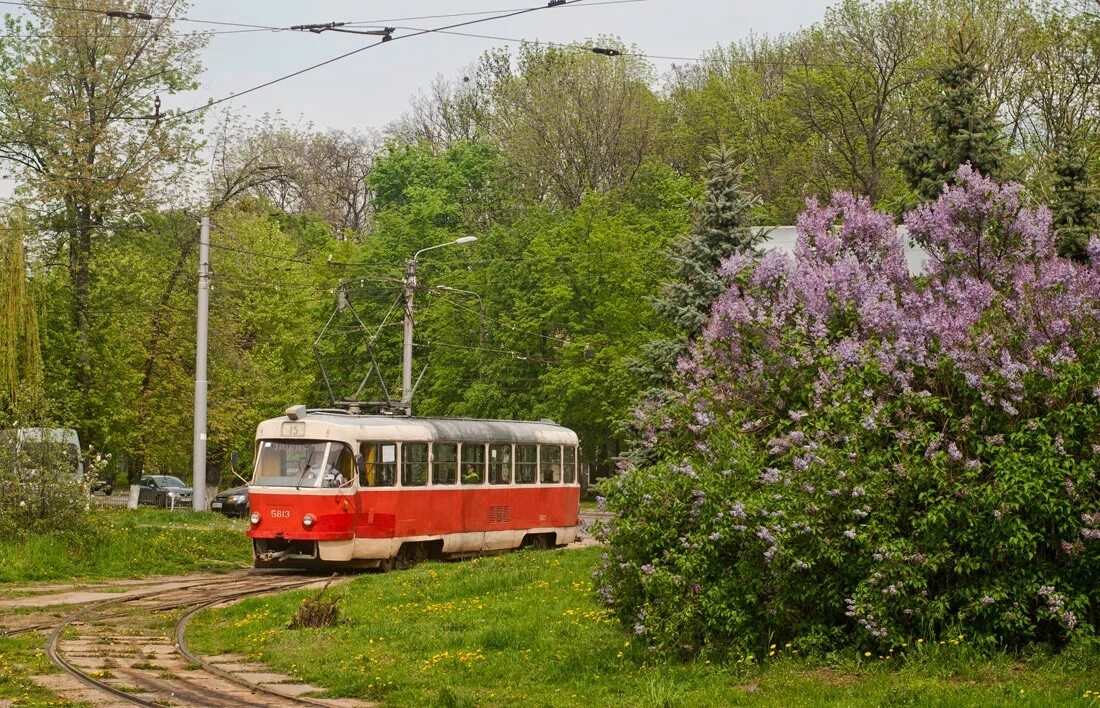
x,y
129,15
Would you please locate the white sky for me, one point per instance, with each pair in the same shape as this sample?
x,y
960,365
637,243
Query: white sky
x,y
373,87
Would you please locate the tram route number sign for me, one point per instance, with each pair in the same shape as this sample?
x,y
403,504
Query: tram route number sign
x,y
293,430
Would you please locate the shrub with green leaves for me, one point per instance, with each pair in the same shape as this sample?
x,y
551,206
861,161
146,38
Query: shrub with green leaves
x,y
42,486
857,457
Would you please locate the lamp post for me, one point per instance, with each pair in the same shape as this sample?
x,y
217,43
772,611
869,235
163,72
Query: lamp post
x,y
410,290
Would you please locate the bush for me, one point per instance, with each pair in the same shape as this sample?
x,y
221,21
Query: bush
x,y
316,611
40,488
857,457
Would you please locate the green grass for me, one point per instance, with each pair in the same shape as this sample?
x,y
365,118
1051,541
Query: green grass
x,y
120,543
21,658
523,629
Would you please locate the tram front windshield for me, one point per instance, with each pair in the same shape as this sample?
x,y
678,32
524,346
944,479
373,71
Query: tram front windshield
x,y
304,464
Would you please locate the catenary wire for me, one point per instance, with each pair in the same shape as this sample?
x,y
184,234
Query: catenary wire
x,y
250,29
96,11
538,42
345,55
443,16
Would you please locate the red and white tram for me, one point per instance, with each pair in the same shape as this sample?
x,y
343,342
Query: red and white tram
x,y
379,490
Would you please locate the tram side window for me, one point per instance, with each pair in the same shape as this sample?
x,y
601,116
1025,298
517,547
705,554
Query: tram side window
x,y
379,464
526,463
500,464
550,463
570,464
445,463
473,463
414,464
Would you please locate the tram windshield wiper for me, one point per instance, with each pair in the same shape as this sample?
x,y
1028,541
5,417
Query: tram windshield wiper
x,y
309,460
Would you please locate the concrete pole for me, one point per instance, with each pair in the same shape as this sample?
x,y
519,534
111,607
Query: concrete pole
x,y
407,352
198,460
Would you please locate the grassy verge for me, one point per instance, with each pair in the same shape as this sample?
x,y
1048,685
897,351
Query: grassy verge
x,y
21,658
120,543
523,629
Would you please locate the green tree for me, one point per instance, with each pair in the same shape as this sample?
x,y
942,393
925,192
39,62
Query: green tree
x,y
853,85
542,315
734,97
722,228
1074,203
572,121
74,85
964,128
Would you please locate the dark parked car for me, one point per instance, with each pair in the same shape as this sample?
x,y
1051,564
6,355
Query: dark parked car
x,y
164,491
106,486
231,502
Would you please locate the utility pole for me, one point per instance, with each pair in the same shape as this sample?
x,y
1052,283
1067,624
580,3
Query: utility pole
x,y
198,461
410,291
407,351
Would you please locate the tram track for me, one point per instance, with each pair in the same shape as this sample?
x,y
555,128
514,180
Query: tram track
x,y
122,649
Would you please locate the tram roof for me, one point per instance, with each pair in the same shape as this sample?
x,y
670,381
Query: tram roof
x,y
382,427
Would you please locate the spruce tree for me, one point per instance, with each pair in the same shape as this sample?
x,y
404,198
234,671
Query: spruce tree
x,y
723,215
1074,205
964,129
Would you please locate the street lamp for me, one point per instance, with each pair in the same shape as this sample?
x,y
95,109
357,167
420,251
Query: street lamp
x,y
410,290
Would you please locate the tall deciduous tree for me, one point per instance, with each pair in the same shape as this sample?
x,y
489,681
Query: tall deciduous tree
x,y
574,121
965,128
296,168
852,87
455,110
736,97
76,89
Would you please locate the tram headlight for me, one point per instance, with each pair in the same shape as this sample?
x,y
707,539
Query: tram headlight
x,y
254,517
308,520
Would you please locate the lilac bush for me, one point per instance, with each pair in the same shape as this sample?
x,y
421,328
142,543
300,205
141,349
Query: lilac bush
x,y
853,456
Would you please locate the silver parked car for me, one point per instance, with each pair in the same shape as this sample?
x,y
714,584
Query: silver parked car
x,y
164,491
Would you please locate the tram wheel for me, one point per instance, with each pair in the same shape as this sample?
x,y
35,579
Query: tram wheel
x,y
539,541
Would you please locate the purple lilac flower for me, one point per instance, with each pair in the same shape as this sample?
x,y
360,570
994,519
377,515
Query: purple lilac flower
x,y
770,476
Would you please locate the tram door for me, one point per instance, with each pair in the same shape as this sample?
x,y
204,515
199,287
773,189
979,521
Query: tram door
x,y
377,469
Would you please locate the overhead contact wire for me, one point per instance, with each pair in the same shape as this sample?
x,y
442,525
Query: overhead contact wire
x,y
353,52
